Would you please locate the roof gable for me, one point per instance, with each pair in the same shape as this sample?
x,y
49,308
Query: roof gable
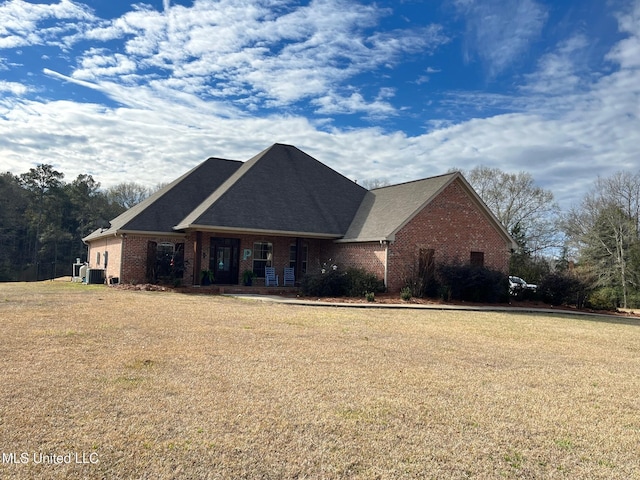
x,y
282,189
384,211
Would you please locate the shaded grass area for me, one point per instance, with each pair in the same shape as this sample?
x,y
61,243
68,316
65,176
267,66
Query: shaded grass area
x,y
163,385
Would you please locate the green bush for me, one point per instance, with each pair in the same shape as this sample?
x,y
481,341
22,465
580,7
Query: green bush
x,y
560,288
603,299
405,293
354,282
471,283
359,282
330,284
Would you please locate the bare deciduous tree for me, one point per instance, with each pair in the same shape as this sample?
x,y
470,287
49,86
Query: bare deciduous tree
x,y
372,183
605,231
523,207
127,194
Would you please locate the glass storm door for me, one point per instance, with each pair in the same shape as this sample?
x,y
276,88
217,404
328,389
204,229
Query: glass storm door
x,y
224,260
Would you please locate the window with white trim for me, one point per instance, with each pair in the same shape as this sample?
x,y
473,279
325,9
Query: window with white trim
x,y
262,257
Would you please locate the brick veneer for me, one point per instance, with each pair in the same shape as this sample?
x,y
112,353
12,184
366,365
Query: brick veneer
x,y
130,267
453,226
370,256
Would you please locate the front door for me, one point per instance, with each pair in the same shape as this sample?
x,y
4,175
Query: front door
x,y
224,260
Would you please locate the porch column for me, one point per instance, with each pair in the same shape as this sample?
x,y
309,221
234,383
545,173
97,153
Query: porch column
x,y
197,261
299,258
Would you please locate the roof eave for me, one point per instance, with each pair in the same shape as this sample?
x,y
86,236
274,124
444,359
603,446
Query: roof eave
x,y
254,231
116,232
388,238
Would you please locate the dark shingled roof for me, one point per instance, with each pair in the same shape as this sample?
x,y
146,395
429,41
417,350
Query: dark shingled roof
x,y
282,189
169,205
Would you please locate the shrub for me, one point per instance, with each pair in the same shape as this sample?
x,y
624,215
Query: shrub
x,y
603,299
472,283
359,282
354,282
562,289
370,296
405,293
420,282
329,284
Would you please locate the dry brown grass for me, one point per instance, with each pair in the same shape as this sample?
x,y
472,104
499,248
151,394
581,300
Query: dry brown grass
x,y
165,385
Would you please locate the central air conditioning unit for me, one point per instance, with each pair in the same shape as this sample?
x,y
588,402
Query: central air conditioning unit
x,y
95,276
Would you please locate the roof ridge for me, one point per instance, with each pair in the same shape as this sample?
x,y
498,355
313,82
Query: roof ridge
x,y
221,190
415,181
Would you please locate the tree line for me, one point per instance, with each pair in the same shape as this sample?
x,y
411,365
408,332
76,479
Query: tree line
x,y
589,255
43,220
592,250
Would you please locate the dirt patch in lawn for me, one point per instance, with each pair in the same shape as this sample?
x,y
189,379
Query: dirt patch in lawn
x,y
152,384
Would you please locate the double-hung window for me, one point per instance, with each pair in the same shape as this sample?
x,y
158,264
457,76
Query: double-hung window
x,y
262,257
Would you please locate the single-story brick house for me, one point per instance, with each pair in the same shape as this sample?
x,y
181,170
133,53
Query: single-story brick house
x,y
283,208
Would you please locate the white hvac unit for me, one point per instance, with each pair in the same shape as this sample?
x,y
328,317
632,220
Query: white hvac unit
x,y
75,276
83,273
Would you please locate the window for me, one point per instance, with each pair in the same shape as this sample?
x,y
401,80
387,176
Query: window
x,y
98,260
477,259
262,257
293,257
164,257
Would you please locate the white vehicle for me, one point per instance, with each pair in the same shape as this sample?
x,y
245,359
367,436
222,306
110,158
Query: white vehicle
x,y
517,285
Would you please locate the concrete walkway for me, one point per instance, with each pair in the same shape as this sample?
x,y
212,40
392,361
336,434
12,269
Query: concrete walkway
x,y
422,306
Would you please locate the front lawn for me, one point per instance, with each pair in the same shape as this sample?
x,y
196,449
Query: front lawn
x,y
134,384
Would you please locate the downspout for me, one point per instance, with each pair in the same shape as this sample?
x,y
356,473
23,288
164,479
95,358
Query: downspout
x,y
386,262
122,256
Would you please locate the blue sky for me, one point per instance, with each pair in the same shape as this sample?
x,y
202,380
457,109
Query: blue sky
x,y
395,90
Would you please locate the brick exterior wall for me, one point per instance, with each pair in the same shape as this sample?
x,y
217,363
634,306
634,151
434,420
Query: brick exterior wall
x,y
127,255
453,226
370,256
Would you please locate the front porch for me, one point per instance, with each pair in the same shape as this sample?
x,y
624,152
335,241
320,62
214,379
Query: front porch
x,y
227,259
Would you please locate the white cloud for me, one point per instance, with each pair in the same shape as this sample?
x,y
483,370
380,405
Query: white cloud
x,y
627,51
271,58
13,88
331,104
20,22
186,77
98,63
561,71
499,31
